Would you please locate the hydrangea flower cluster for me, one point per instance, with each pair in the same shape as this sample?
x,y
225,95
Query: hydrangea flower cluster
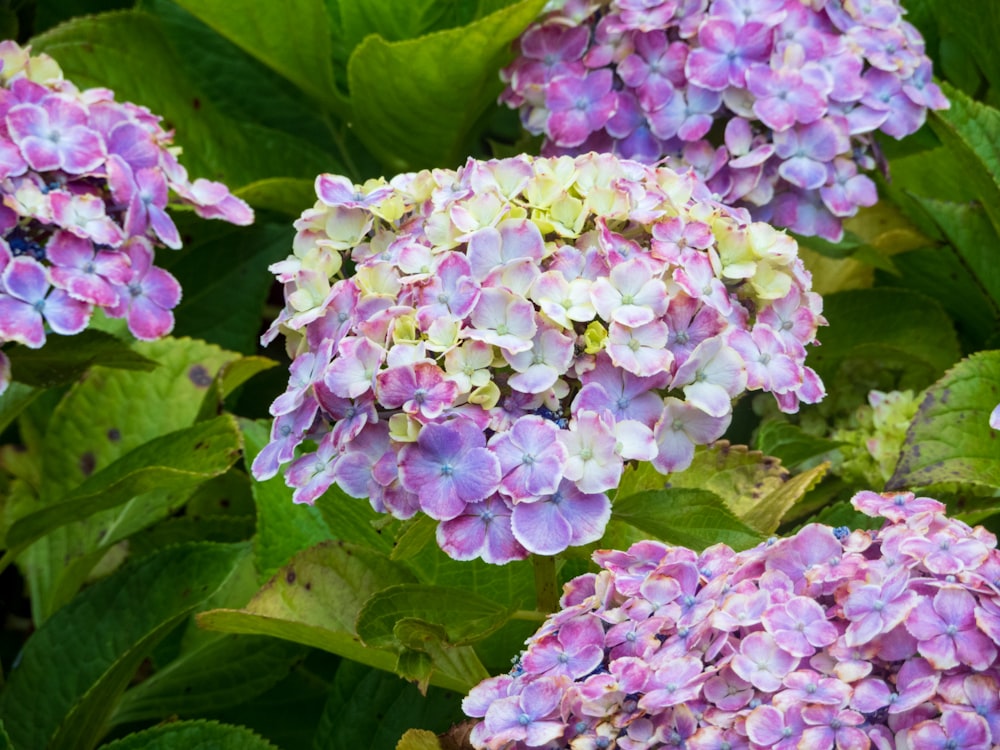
x,y
830,638
84,182
773,102
517,330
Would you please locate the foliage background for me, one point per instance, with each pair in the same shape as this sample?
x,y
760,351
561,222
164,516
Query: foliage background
x,y
149,586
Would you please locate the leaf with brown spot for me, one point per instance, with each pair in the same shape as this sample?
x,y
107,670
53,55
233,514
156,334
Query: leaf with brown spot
x,y
950,439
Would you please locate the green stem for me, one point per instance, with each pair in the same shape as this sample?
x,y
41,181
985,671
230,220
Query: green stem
x,y
546,584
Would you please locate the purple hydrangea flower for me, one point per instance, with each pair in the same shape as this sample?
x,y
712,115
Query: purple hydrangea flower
x,y
667,648
86,184
499,372
810,81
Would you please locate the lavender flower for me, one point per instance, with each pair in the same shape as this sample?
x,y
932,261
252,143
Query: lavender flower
x,y
800,86
767,648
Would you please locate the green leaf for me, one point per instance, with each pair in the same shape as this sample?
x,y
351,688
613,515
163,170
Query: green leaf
x,y
13,401
974,238
463,617
694,518
885,326
64,359
241,86
83,657
283,528
293,37
382,707
128,52
950,439
98,421
4,739
225,291
282,194
192,735
791,443
974,26
177,461
354,520
413,106
415,536
316,599
218,674
968,129
941,273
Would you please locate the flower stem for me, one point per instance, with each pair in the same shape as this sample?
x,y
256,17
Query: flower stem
x,y
546,583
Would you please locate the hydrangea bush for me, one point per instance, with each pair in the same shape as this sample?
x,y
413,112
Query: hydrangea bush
x,y
515,331
85,181
774,102
828,638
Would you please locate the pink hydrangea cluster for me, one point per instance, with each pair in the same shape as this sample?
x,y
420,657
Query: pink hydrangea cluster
x,y
85,182
830,638
515,331
774,102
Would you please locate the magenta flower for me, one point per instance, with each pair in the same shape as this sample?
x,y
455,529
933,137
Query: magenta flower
x,y
946,631
726,53
956,729
27,304
531,458
86,273
149,295
877,608
449,467
54,134
579,106
564,518
482,530
420,389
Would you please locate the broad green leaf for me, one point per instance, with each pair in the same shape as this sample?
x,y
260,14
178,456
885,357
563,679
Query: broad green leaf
x,y
843,514
4,739
185,529
382,708
192,735
291,37
694,518
225,291
885,326
241,86
415,536
63,359
950,439
316,599
974,238
932,173
462,616
283,528
941,273
128,52
220,673
282,194
975,26
228,494
177,461
414,106
791,443
82,658
97,422
354,520
13,401
969,130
